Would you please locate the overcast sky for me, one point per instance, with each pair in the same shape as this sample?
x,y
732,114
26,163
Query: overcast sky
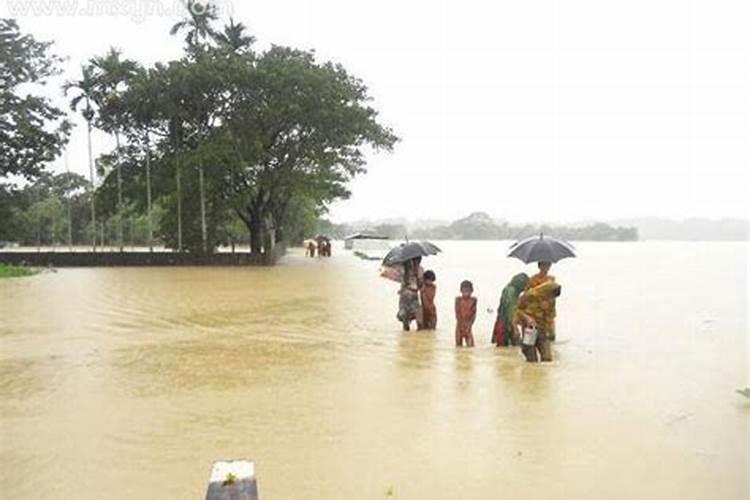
x,y
529,110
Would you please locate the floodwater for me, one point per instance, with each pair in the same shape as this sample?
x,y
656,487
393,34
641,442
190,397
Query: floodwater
x,y
129,383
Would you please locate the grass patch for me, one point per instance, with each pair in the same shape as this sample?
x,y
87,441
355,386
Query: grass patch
x,y
7,271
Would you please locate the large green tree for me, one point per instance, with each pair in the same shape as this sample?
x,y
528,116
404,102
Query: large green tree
x,y
226,133
298,128
32,130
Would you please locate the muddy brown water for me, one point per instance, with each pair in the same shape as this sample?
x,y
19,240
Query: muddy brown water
x,y
129,383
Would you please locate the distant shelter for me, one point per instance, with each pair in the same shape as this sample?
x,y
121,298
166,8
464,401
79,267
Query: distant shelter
x,y
361,239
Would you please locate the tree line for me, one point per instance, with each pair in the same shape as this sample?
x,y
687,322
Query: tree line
x,y
480,226
225,144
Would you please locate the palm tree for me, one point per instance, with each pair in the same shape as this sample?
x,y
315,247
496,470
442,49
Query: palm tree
x,y
197,24
86,89
198,29
112,75
142,99
234,37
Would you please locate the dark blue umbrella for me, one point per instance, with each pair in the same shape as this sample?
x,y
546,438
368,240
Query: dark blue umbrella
x,y
541,249
408,251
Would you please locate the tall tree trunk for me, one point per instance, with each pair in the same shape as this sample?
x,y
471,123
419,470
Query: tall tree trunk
x,y
203,210
179,206
148,197
70,211
255,225
70,227
93,190
119,193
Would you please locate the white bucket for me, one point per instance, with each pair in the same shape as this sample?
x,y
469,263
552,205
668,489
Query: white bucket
x,y
529,336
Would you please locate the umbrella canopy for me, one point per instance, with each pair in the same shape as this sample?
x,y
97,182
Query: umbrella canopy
x,y
541,249
322,237
408,251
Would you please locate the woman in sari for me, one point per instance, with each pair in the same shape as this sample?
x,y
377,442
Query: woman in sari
x,y
540,278
536,309
408,304
503,334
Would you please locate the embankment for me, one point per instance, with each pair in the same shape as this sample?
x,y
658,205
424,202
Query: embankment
x,y
115,259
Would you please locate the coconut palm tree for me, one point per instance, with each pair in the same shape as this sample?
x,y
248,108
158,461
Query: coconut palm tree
x,y
197,24
234,36
198,31
112,75
85,89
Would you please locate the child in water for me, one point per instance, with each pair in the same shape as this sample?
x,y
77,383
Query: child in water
x,y
427,294
466,313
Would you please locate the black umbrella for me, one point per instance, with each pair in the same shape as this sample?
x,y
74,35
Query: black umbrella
x,y
408,251
541,249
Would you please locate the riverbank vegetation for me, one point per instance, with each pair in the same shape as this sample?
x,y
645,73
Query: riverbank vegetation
x,y
227,144
7,271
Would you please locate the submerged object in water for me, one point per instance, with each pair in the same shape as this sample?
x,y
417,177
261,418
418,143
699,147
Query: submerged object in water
x,y
233,480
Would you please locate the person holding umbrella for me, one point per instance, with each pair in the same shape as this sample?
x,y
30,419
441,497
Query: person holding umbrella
x,y
542,276
544,251
409,308
402,263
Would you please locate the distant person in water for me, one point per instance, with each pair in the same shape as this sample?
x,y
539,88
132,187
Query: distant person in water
x,y
466,313
427,294
502,335
540,278
408,304
310,249
535,310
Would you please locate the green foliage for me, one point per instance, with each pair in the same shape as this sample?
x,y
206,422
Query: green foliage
x,y
241,146
277,135
744,392
7,271
32,131
39,212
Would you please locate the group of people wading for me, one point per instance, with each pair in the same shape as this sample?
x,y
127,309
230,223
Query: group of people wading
x,y
323,248
525,315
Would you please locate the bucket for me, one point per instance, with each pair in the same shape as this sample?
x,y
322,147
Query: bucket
x,y
529,336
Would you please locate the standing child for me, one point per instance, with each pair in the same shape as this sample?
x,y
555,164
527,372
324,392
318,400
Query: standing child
x,y
466,313
427,294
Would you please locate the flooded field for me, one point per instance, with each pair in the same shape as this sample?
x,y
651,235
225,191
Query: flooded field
x,y
129,383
